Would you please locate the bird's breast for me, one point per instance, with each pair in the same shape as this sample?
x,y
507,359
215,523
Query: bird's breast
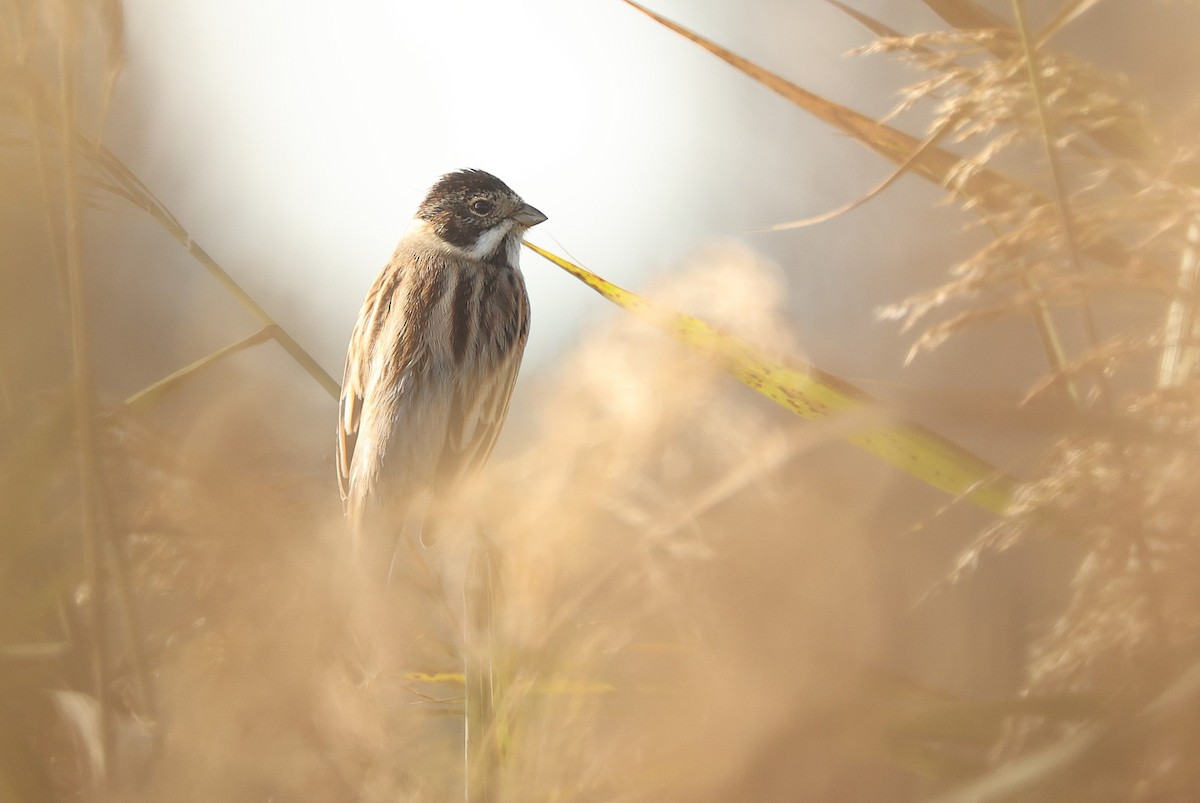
x,y
480,315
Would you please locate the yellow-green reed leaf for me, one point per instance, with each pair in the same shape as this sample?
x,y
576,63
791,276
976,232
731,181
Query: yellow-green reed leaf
x,y
550,687
150,395
575,688
453,678
814,394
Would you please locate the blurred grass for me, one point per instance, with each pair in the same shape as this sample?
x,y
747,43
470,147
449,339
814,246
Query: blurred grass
x,y
685,600
1059,250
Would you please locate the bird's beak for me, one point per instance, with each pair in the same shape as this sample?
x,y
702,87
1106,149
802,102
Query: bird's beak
x,y
528,216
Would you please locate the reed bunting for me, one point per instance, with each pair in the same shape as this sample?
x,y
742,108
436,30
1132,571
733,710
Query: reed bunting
x,y
434,356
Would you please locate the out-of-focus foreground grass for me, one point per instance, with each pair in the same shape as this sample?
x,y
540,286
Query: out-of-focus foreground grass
x,y
690,594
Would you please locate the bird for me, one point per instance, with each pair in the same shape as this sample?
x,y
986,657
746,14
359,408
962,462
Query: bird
x,y
433,358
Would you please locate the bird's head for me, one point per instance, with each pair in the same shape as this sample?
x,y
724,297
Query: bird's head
x,y
476,212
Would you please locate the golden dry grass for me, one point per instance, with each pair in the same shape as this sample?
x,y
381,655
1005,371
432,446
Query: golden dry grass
x,y
677,591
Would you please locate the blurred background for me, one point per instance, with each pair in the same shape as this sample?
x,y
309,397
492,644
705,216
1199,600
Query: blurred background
x,y
750,575
294,143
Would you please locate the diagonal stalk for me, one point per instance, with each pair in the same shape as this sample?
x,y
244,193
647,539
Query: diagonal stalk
x,y
148,395
131,188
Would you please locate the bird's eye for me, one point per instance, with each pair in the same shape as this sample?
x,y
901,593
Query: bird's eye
x,y
482,206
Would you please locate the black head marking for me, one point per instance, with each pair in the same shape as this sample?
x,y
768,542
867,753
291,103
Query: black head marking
x,y
463,205
464,182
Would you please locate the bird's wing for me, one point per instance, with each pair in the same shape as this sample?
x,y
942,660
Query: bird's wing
x,y
368,347
350,411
